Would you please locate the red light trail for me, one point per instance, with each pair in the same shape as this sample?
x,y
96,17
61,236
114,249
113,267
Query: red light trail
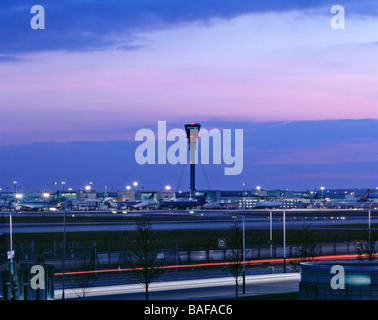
x,y
247,262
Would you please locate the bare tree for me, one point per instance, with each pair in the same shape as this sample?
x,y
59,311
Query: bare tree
x,y
306,248
145,260
368,251
80,283
234,259
3,253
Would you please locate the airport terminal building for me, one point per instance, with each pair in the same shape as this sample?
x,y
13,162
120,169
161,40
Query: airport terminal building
x,y
216,199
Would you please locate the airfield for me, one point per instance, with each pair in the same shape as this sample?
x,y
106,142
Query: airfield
x,y
198,219
190,245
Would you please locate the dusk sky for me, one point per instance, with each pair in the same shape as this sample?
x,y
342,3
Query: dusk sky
x,y
72,96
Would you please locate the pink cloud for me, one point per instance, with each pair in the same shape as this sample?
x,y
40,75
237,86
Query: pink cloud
x,y
228,71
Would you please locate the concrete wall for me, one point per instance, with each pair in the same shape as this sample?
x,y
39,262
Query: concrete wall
x,y
350,280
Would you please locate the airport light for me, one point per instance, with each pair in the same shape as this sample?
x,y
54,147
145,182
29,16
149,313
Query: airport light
x,y
322,188
46,195
135,184
128,190
168,189
88,188
18,196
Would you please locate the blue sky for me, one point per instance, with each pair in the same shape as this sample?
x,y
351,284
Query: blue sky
x,y
294,155
73,96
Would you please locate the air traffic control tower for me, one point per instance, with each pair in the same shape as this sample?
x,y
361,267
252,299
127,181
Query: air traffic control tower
x,y
192,131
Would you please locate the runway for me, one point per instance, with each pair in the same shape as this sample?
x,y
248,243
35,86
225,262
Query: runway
x,y
106,223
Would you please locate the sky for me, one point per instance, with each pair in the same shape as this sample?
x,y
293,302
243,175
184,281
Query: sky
x,y
73,95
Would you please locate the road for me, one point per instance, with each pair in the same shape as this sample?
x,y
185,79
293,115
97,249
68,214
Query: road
x,y
196,289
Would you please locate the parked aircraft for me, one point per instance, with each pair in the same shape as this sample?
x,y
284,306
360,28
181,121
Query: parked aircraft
x,y
270,204
33,206
183,204
350,203
137,204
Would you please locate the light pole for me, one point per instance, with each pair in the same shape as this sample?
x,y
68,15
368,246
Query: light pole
x,y
63,183
369,225
243,254
284,239
135,184
64,252
322,188
258,188
11,244
128,190
168,189
18,198
15,186
270,233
